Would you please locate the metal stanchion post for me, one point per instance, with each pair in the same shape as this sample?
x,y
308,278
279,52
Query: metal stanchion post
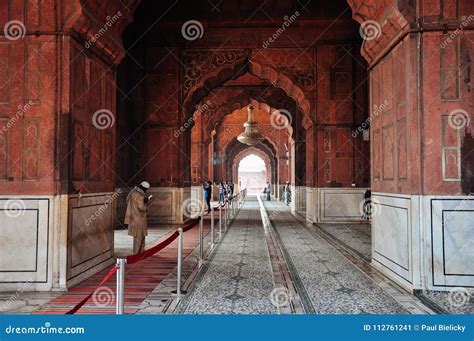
x,y
212,227
180,261
220,221
201,242
225,216
120,286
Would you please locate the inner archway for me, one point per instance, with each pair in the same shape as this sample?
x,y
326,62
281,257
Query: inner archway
x,y
252,174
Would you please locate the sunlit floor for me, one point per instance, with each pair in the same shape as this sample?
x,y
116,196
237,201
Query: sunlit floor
x,y
239,278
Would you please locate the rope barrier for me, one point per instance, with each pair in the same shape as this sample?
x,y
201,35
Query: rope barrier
x,y
157,248
80,304
135,259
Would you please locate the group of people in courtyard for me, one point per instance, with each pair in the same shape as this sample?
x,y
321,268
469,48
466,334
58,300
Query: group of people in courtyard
x,y
225,188
138,202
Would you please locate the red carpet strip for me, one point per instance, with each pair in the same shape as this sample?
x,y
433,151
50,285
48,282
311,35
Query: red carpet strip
x,y
140,280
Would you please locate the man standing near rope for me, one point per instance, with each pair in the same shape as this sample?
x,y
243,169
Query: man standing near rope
x,y
135,216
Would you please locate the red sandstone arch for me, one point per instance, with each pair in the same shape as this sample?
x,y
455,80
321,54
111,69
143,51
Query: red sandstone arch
x,y
238,68
267,147
249,151
393,17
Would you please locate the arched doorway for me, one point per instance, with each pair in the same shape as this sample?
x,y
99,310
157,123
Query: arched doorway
x,y
252,174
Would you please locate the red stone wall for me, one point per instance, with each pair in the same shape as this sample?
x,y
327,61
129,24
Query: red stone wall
x,y
28,100
421,100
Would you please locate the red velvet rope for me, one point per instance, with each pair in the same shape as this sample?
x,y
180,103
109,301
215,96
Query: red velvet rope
x,y
150,252
80,304
135,259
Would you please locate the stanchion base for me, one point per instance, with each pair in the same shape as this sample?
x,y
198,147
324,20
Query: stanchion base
x,y
175,293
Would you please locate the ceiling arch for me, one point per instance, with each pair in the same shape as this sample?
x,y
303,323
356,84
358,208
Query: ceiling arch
x,y
227,72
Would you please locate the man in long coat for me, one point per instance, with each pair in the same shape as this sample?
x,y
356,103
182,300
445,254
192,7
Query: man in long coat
x,y
135,216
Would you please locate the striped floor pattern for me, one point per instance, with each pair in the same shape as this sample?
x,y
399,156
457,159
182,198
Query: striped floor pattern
x,y
140,280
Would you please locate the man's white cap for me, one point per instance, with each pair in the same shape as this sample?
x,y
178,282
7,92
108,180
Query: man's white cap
x,y
145,184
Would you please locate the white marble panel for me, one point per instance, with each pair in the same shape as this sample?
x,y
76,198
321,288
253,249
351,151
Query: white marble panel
x,y
24,236
392,235
167,205
91,232
311,204
340,204
452,241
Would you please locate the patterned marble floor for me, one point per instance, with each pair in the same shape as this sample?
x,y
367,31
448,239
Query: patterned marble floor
x,y
333,283
355,237
238,277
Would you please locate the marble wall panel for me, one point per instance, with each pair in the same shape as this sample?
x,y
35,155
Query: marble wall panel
x,y
340,204
24,237
91,233
450,227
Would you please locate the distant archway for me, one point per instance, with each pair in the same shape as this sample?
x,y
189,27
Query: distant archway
x,y
252,173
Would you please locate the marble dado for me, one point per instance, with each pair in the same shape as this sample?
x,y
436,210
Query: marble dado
x,y
396,237
448,229
298,199
92,220
334,205
167,205
424,242
31,246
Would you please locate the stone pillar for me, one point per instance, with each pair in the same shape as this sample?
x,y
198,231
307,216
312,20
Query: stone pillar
x,y
57,141
421,120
